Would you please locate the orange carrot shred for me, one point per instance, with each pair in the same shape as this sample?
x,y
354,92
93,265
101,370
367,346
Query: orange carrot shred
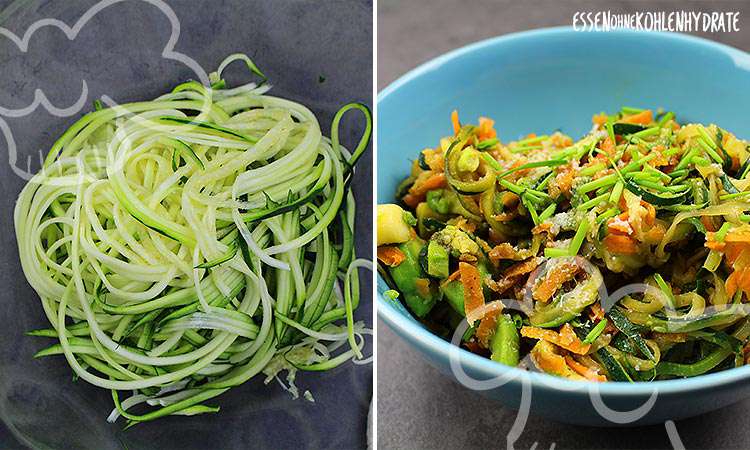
x,y
455,122
486,327
390,255
731,283
566,338
597,313
486,129
644,117
549,362
650,213
742,236
423,286
586,372
523,267
617,243
553,279
656,233
502,251
564,180
744,281
608,146
435,181
599,119
619,226
412,200
471,280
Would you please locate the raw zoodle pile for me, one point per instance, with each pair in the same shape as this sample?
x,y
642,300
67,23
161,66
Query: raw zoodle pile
x,y
185,245
623,256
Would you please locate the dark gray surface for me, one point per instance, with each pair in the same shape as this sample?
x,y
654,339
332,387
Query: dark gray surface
x,y
417,406
118,53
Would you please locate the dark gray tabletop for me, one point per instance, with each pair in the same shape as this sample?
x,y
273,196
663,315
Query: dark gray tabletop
x,y
318,54
417,406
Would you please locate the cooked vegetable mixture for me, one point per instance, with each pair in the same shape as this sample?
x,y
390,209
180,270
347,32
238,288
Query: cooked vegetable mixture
x,y
531,242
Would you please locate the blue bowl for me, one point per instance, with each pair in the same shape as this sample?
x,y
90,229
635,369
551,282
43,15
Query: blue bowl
x,y
541,81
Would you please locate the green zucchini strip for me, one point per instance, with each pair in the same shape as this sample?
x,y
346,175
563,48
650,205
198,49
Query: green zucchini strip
x,y
185,245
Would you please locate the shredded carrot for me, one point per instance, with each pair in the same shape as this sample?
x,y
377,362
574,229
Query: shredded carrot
x,y
571,340
390,255
546,356
455,122
487,325
617,225
433,181
650,213
733,252
644,117
740,236
554,278
486,129
434,159
503,284
597,313
586,372
523,267
426,181
617,243
513,274
608,146
739,279
548,361
566,338
502,251
542,228
731,284
712,243
510,200
744,281
655,234
473,295
423,286
623,205
564,180
559,140
660,160
462,224
599,119
412,200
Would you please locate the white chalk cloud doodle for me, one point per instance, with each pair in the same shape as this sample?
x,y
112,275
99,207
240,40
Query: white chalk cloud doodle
x,y
23,44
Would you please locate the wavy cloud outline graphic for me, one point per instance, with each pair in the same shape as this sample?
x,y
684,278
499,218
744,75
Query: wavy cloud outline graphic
x,y
71,32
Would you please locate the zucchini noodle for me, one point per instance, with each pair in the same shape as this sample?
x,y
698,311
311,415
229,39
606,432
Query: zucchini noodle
x,y
184,245
623,256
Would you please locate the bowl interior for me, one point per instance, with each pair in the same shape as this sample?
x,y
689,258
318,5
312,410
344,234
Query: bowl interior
x,y
547,80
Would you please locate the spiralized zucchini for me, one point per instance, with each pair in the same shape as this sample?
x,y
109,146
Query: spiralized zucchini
x,y
184,245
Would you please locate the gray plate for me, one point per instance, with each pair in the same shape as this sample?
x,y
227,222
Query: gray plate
x,y
316,54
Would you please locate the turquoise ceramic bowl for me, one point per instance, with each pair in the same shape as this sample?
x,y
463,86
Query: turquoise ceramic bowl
x,y
540,81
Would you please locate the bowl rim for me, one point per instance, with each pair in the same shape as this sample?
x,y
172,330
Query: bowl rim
x,y
410,330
